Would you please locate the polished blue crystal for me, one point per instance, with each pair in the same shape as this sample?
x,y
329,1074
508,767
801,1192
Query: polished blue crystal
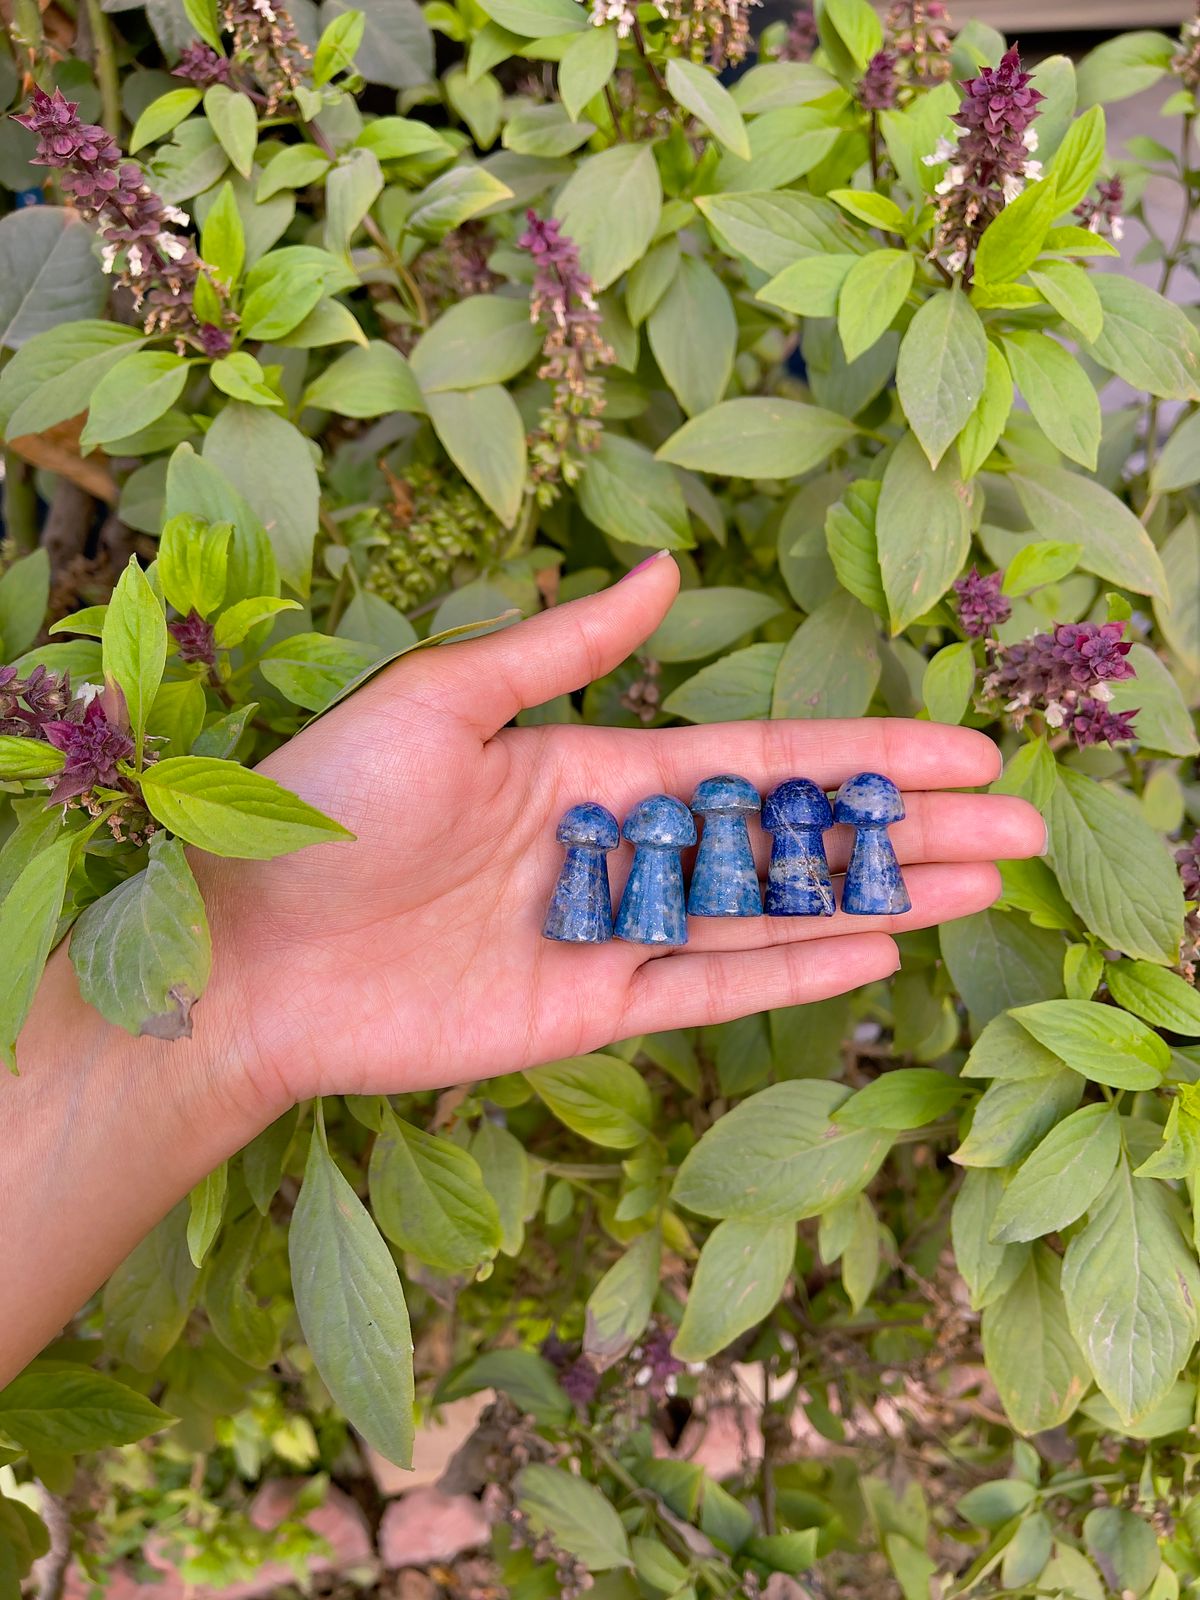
x,y
652,906
796,815
725,880
873,886
581,906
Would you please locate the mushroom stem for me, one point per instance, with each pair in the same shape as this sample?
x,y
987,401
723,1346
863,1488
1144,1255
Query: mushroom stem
x,y
581,905
798,882
724,882
652,906
873,885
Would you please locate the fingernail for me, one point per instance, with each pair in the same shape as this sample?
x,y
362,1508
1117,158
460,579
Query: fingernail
x,y
642,565
1045,850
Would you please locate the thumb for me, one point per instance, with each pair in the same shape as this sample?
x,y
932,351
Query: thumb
x,y
490,679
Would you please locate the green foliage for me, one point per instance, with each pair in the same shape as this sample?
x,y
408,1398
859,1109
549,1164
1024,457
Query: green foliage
x,y
799,388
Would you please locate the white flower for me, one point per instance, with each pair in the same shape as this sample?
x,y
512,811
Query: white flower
x,y
136,263
1117,228
175,215
1030,139
956,260
1033,171
1012,186
942,151
955,177
108,257
1101,691
174,249
1055,714
85,693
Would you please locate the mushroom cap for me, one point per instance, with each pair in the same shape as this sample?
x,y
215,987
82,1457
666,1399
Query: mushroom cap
x,y
589,823
868,800
661,821
796,803
725,793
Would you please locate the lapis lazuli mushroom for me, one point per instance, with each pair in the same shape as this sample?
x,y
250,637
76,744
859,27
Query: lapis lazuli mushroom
x,y
652,906
870,803
796,815
581,905
724,880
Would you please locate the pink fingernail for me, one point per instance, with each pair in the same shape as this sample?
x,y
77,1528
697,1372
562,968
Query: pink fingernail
x,y
642,565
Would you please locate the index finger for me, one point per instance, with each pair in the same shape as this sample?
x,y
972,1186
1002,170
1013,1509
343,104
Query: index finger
x,y
914,755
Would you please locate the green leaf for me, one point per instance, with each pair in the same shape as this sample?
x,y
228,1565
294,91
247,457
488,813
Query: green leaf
x,y
1131,1287
131,395
1033,1359
134,644
24,595
599,1097
1059,393
28,758
453,199
245,1327
1061,1178
940,370
230,811
371,381
142,952
1164,720
1016,1112
987,1269
991,1504
573,1513
1125,1548
738,1280
428,1197
1146,339
268,460
1177,465
1077,160
876,210
525,1377
193,564
633,497
264,1158
1070,290
1012,241
1123,66
757,437
161,115
337,46
148,1298
610,206
983,427
650,279
486,338
773,230
696,89
906,1097
1129,897
736,688
923,530
52,377
850,540
351,1307
803,1162
871,294
352,186
697,370
1159,997
702,622
1177,609
948,682
49,273
1098,1041
202,14
484,436
1045,561
858,28
587,65
235,123
996,961
784,145
830,666
56,1408
293,167
234,623
1064,505
206,1212
810,287
619,1307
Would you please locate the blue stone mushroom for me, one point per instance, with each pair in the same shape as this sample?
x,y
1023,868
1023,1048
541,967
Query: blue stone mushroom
x,y
652,907
796,815
725,882
581,905
873,887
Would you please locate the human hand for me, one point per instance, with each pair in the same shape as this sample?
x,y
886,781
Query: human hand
x,y
413,958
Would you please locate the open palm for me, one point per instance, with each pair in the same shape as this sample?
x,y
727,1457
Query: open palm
x,y
413,957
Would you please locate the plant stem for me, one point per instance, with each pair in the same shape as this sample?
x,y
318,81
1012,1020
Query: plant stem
x,y
660,82
610,101
1171,260
27,36
105,63
20,503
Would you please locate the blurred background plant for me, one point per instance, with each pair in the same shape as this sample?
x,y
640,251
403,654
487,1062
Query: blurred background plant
x,y
405,317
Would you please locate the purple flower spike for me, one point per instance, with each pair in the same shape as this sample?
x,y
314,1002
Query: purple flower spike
x,y
1092,722
93,747
200,64
194,637
981,606
879,86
